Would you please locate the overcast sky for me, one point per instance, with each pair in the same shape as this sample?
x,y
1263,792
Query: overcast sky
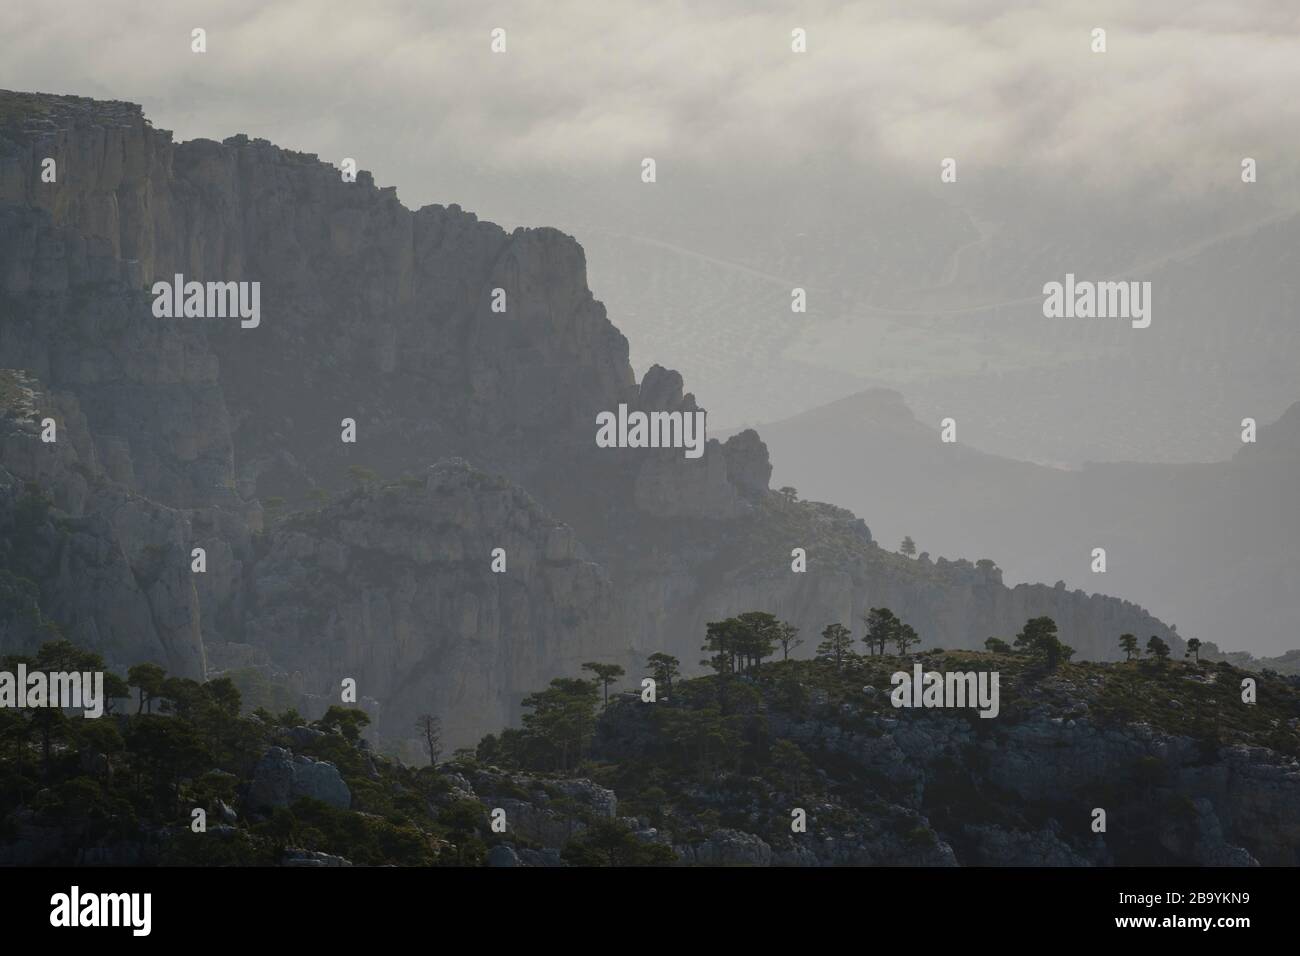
x,y
411,89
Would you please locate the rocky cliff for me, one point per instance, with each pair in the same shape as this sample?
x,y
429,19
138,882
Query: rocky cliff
x,y
80,552
393,587
391,318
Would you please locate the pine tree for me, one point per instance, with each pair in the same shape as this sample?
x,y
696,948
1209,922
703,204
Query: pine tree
x,y
787,636
836,645
757,637
905,637
1157,648
663,668
882,628
430,728
606,674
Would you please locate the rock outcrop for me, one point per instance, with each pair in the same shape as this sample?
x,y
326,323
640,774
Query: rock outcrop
x,y
394,587
77,550
282,777
938,787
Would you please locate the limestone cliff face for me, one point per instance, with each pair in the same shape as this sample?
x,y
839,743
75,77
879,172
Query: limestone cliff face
x,y
150,391
376,313
76,549
369,311
394,587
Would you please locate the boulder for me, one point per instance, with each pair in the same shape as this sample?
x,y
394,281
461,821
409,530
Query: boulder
x,y
503,854
280,778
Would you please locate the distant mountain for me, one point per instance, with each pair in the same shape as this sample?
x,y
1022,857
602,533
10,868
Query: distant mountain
x,y
1214,547
937,292
1287,664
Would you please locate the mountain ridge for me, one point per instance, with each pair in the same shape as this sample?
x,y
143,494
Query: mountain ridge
x,y
383,315
1228,520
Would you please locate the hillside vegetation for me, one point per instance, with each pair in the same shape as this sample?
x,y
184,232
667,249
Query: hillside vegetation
x,y
764,762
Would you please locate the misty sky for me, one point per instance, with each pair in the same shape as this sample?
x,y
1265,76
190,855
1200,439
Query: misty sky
x,y
586,89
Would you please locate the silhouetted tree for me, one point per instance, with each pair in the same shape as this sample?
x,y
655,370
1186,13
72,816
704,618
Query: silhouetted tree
x,y
606,674
1033,630
562,718
882,627
224,694
663,668
114,687
1157,648
349,721
756,637
908,547
836,645
1194,649
1129,644
1040,639
722,641
430,728
995,645
148,679
905,637
787,636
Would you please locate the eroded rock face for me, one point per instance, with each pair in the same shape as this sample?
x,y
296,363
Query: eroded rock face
x,y
111,568
1253,795
728,848
748,464
527,801
1242,805
150,392
394,588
